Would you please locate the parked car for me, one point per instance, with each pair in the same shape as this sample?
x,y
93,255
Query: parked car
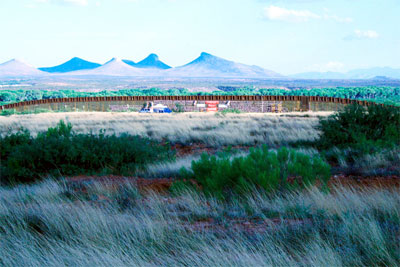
x,y
145,110
159,108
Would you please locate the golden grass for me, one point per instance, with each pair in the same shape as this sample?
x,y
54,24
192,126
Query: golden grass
x,y
53,224
212,129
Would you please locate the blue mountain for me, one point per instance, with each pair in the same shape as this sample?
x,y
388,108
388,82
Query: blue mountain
x,y
207,65
129,62
72,65
152,61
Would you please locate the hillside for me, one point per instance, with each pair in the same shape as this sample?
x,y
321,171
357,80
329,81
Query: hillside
x,y
152,61
15,68
211,66
73,64
115,67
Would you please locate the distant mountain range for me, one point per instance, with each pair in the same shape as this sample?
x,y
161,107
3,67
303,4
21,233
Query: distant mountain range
x,y
152,61
15,67
116,67
370,73
74,64
211,66
205,66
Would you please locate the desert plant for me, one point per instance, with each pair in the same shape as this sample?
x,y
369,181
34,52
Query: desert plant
x,y
272,171
60,151
352,137
357,125
178,108
230,110
8,112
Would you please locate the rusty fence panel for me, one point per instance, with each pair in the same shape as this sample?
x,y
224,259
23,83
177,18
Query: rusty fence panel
x,y
302,99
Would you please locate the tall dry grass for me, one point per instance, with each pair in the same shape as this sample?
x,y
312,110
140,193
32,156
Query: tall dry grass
x,y
49,224
211,129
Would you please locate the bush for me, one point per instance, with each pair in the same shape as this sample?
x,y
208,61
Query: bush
x,y
361,127
60,151
266,170
350,139
8,112
230,110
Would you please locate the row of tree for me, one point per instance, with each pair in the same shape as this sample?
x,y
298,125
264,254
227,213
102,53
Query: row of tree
x,y
388,95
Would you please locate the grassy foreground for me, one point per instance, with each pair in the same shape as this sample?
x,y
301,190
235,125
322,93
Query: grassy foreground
x,y
53,224
251,205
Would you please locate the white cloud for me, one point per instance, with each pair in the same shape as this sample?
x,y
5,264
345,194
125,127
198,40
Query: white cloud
x,y
283,14
369,34
66,2
291,15
359,34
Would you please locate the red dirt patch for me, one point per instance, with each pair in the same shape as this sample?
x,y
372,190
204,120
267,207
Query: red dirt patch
x,y
363,182
197,148
157,185
163,184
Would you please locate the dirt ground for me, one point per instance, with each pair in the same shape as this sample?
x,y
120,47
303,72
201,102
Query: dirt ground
x,y
163,184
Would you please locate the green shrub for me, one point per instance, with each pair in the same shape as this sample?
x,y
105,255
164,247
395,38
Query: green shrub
x,y
178,108
354,136
60,151
8,112
230,110
264,169
361,127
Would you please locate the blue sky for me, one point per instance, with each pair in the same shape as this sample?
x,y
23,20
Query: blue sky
x,y
287,36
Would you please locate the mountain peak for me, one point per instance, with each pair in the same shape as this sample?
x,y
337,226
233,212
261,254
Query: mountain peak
x,y
153,56
16,67
17,60
75,59
115,59
207,65
73,64
205,54
152,61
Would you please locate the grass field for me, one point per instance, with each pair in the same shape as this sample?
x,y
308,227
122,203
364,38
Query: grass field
x,y
214,129
142,221
58,224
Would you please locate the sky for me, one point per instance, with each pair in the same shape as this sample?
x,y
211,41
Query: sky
x,y
286,36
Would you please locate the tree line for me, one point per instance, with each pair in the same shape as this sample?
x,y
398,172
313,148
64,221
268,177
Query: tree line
x,y
387,95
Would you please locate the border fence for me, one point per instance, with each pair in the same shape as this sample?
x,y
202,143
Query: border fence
x,y
245,103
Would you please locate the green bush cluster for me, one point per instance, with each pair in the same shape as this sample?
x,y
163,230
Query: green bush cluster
x,y
362,141
230,110
272,171
360,127
60,151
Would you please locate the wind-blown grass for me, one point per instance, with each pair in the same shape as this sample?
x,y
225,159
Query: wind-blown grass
x,y
184,128
50,224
